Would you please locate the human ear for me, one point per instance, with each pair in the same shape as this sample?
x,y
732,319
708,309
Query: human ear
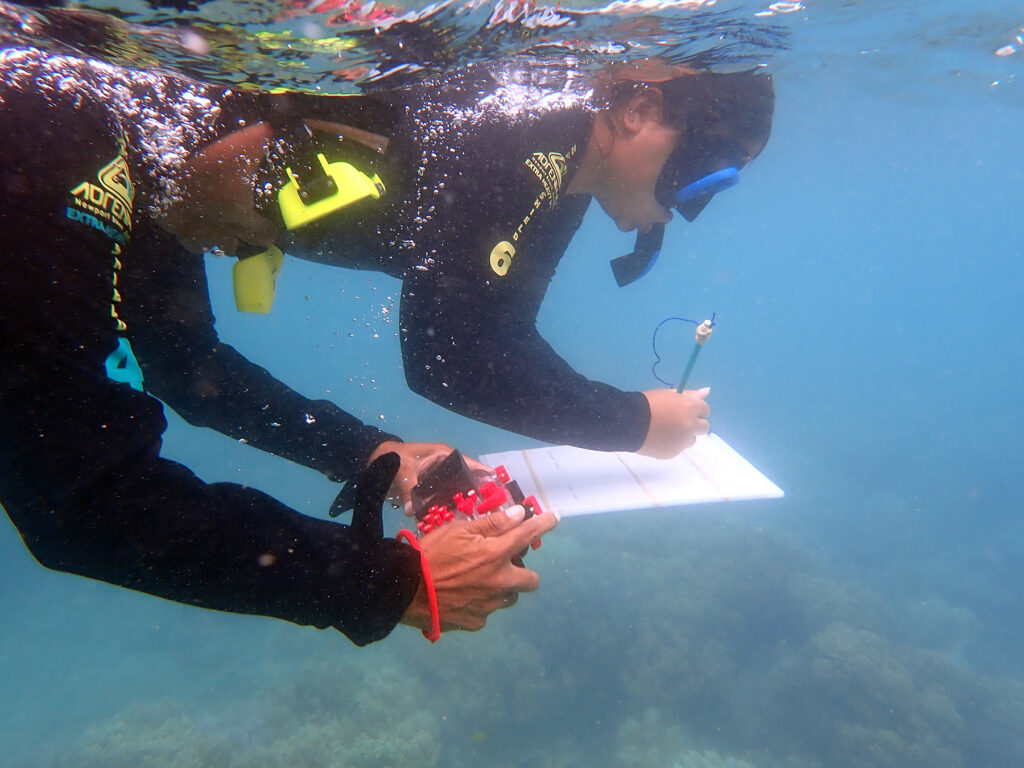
x,y
643,107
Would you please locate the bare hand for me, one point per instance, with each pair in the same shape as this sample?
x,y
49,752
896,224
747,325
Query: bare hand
x,y
676,420
416,458
471,564
216,207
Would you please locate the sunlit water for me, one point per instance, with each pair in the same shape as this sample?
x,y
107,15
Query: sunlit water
x,y
867,277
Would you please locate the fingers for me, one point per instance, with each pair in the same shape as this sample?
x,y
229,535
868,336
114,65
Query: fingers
x,y
520,579
473,569
474,622
701,424
429,454
468,623
417,460
521,536
494,525
503,600
697,397
676,420
511,534
477,468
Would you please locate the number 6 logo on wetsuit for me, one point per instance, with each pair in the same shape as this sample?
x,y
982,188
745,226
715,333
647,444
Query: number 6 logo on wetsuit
x,y
501,257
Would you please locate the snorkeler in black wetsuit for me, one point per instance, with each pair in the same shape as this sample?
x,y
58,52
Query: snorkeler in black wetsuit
x,y
476,240
99,311
487,182
504,174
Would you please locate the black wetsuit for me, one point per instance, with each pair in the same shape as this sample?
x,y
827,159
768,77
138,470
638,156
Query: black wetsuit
x,y
475,221
100,311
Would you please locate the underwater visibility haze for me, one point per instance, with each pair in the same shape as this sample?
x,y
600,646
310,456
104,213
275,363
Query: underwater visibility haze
x,y
866,279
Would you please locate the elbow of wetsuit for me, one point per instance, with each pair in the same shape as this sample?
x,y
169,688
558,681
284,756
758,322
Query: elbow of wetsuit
x,y
419,379
53,540
447,384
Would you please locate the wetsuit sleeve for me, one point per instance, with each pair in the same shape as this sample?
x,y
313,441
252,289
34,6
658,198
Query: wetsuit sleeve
x,y
82,477
167,306
473,347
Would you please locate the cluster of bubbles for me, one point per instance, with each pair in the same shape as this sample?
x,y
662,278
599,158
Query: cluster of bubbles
x,y
339,46
169,118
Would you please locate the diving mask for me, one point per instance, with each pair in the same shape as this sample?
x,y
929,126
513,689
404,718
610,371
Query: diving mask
x,y
687,185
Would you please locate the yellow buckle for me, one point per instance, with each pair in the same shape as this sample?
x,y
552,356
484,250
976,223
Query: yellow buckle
x,y
352,186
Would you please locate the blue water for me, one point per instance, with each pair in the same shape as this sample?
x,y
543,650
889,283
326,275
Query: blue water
x,y
867,277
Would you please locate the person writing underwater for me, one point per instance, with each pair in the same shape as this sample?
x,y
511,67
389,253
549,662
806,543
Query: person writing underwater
x,y
485,183
100,310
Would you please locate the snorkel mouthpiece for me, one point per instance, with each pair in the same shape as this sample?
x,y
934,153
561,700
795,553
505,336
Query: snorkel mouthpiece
x,y
631,267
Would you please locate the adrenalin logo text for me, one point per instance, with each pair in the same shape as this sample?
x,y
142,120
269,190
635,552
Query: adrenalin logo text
x,y
106,204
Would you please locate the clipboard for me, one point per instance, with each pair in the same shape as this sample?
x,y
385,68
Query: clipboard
x,y
575,481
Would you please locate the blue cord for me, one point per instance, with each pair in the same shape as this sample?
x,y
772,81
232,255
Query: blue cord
x,y
654,344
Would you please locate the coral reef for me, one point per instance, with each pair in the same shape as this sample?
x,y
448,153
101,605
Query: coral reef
x,y
160,734
707,646
317,714
754,648
651,740
860,701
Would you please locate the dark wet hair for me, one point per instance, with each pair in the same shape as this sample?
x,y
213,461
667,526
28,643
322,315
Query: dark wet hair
x,y
707,105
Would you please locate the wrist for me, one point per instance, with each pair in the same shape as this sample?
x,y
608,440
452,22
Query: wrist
x,y
418,613
388,446
429,620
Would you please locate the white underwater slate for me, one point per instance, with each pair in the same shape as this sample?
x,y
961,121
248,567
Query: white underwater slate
x,y
575,481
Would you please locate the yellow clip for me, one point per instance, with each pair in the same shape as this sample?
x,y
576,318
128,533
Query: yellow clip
x,y
352,186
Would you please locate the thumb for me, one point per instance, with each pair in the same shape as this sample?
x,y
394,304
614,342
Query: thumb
x,y
701,393
490,526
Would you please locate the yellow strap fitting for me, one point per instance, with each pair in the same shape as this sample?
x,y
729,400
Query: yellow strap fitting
x,y
352,185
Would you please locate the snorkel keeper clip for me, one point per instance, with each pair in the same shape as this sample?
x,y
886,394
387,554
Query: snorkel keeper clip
x,y
314,187
307,196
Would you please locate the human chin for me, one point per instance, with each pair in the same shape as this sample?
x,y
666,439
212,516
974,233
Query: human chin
x,y
642,222
624,220
624,224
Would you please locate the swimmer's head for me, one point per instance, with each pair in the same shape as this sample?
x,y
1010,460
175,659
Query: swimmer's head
x,y
701,129
723,121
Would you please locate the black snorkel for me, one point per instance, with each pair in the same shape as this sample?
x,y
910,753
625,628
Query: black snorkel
x,y
689,201
631,267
